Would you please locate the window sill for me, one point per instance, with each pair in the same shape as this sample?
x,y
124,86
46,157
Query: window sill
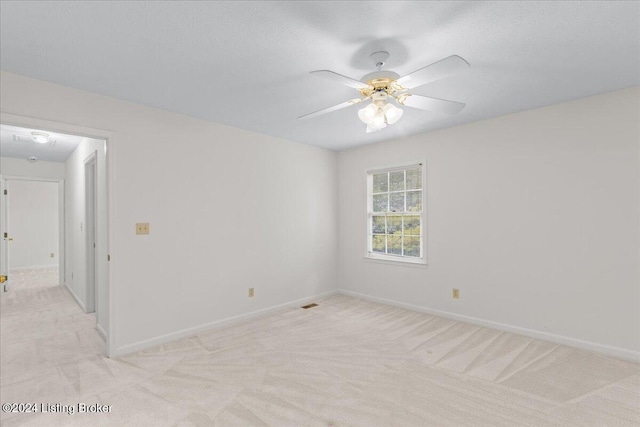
x,y
417,262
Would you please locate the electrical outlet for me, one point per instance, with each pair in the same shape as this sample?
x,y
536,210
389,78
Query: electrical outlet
x,y
142,228
52,255
250,292
456,293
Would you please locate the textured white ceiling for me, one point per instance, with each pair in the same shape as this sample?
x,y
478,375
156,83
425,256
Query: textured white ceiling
x,y
16,142
247,64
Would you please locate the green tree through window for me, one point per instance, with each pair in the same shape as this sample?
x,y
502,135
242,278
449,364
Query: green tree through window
x,y
395,212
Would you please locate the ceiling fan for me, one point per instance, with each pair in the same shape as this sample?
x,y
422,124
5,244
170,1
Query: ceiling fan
x,y
381,86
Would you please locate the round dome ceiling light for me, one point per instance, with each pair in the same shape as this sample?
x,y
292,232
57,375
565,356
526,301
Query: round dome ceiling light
x,y
40,137
32,159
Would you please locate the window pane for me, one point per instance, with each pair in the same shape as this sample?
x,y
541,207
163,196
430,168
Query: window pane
x,y
412,246
378,243
414,201
380,202
397,202
394,245
414,179
397,181
380,184
394,224
377,225
412,225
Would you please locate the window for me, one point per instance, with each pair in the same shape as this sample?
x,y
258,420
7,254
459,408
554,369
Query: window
x,y
395,214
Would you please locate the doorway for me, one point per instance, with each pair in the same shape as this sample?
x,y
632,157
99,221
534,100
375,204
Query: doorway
x,y
32,226
80,160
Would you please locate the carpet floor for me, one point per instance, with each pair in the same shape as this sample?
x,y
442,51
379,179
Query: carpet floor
x,y
346,362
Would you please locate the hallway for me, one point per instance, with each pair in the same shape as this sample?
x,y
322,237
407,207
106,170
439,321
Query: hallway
x,y
44,338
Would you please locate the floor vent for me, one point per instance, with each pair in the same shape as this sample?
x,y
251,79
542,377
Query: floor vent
x,y
309,305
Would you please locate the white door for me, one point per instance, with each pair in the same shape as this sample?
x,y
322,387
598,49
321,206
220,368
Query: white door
x,y
4,246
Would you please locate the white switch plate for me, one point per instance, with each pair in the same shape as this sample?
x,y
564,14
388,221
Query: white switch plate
x,y
142,228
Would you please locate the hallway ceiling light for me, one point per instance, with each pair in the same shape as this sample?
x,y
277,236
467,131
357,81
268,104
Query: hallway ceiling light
x,y
40,137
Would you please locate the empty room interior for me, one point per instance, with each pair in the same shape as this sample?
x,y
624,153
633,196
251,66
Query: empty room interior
x,y
320,213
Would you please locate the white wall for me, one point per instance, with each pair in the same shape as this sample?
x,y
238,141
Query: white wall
x,y
40,169
534,216
75,226
33,224
228,209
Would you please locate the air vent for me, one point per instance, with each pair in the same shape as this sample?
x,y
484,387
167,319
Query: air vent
x,y
309,306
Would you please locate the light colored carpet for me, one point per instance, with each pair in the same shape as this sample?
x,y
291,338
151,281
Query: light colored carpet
x,y
29,279
346,362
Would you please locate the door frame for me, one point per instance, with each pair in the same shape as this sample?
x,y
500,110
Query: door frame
x,y
90,221
4,245
61,215
110,245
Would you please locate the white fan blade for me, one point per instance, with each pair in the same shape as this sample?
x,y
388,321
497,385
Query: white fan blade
x,y
433,104
339,78
330,109
435,71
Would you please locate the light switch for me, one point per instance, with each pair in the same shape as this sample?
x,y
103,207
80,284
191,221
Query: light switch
x,y
142,228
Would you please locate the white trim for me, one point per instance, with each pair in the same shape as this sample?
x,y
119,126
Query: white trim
x,y
396,168
405,262
389,258
31,178
162,339
90,215
110,245
75,297
622,353
35,267
101,331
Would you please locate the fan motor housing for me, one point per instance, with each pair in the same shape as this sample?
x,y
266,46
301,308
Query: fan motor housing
x,y
379,80
380,76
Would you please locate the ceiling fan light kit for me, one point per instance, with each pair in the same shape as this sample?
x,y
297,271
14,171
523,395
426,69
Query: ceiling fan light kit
x,y
379,113
381,85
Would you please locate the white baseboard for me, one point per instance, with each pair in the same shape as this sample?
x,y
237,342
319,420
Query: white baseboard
x,y
75,297
35,267
140,345
101,331
622,353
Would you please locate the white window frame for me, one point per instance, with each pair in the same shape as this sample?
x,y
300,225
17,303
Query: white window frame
x,y
391,258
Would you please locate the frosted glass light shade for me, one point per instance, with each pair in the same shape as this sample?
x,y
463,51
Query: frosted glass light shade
x,y
378,121
40,137
367,113
392,113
